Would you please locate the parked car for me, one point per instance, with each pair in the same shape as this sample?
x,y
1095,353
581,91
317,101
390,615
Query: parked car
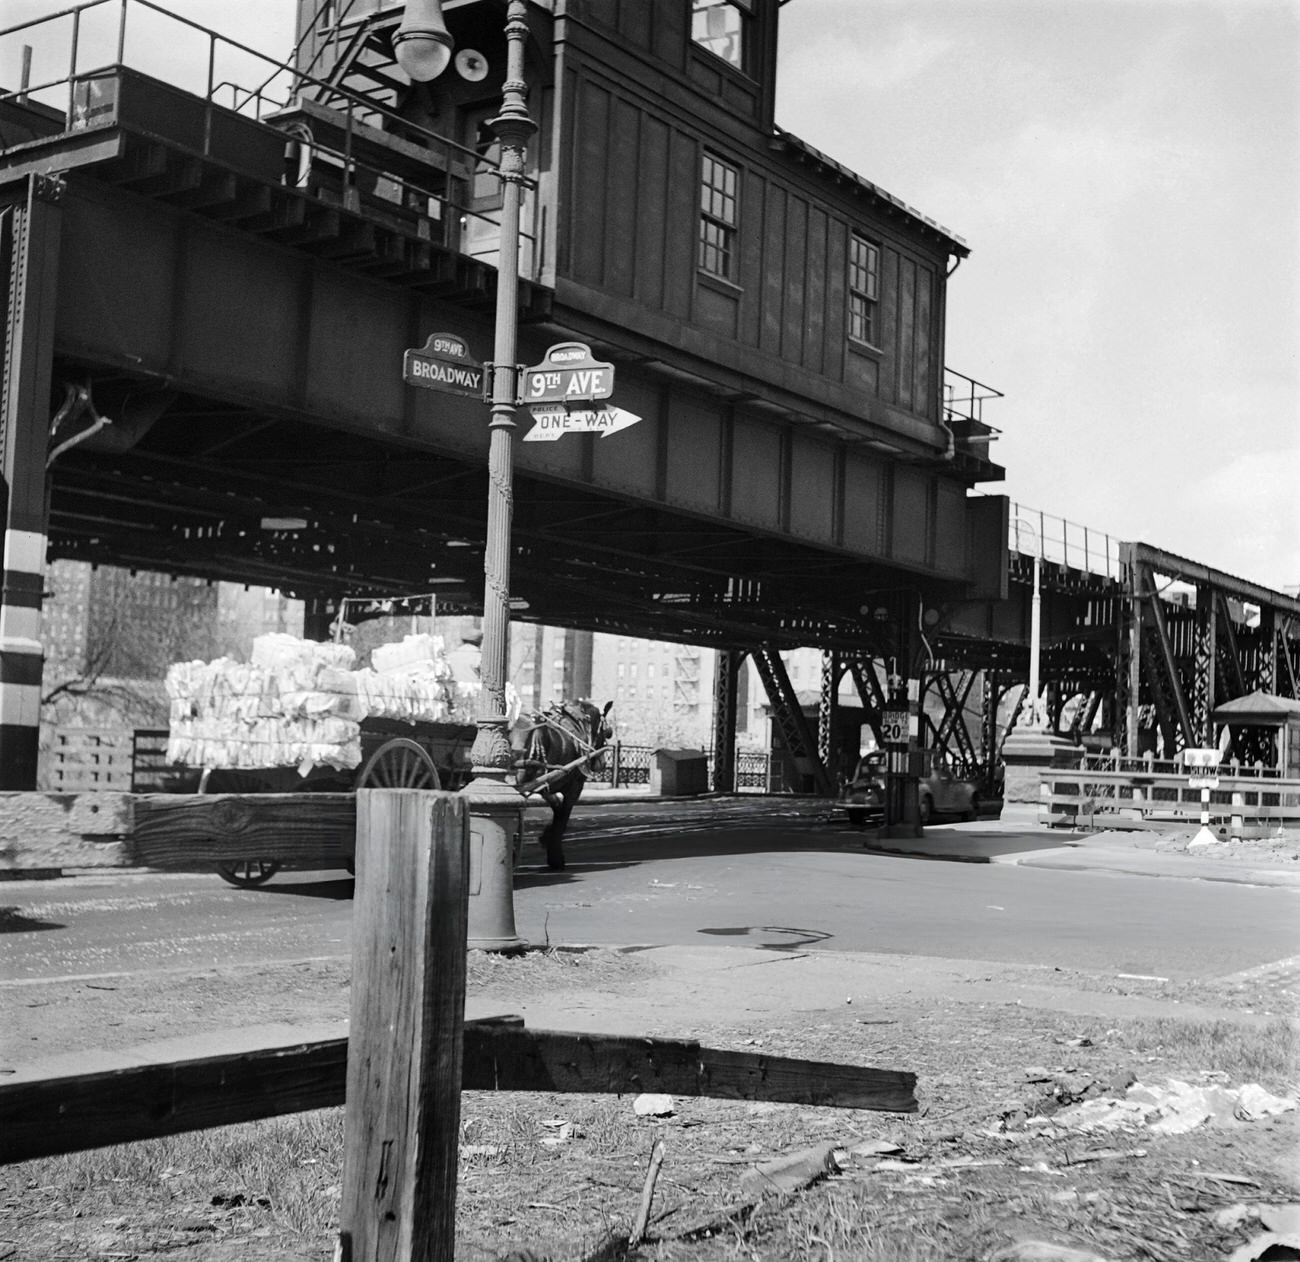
x,y
940,793
944,793
863,795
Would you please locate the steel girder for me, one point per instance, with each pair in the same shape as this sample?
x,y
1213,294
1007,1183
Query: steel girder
x,y
726,675
792,725
1197,637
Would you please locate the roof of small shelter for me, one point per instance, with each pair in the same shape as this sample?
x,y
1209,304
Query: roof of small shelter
x,y
1259,708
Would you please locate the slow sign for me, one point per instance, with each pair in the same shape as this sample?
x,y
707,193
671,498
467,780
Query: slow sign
x,y
444,363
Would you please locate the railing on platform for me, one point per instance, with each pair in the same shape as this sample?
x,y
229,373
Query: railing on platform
x,y
145,37
1148,764
1246,805
1032,532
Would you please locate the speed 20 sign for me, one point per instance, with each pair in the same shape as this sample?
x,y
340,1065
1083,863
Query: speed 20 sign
x,y
893,727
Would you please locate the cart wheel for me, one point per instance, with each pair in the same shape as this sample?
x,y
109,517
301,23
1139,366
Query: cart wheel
x,y
246,873
399,764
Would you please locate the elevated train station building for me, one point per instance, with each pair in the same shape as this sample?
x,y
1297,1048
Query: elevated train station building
x,y
215,263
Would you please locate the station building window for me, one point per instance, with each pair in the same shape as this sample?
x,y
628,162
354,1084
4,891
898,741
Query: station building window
x,y
722,26
864,289
719,216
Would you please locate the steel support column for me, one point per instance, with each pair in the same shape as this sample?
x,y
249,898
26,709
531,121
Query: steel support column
x,y
726,674
791,722
828,710
1267,678
1207,659
29,239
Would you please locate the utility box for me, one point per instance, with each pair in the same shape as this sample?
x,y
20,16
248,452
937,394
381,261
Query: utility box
x,y
679,773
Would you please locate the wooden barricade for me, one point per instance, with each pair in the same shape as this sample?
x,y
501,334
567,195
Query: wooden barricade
x,y
1081,798
409,1052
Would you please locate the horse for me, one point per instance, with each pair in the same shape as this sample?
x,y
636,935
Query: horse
x,y
556,745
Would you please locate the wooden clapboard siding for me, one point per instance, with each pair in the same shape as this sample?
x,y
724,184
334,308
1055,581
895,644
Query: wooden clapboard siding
x,y
630,235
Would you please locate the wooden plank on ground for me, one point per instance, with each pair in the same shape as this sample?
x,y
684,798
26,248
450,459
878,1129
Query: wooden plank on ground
x,y
46,1117
118,1106
500,1057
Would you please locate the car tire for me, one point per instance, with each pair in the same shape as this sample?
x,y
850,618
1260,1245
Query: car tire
x,y
925,809
857,817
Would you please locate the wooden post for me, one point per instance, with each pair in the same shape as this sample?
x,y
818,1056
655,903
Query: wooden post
x,y
407,1027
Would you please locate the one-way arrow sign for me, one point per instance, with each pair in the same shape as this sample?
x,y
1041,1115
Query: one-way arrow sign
x,y
550,424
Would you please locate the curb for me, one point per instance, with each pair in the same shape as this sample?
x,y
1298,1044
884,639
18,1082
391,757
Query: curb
x,y
1120,866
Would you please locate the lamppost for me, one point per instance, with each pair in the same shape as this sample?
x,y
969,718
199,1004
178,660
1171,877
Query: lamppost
x,y
1035,624
423,46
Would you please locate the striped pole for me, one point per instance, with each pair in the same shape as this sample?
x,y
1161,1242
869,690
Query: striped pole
x,y
29,267
22,659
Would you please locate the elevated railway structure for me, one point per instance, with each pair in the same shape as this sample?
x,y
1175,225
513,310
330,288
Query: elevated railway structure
x,y
213,262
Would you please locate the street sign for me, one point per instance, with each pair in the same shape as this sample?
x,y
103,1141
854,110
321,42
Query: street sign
x,y
1202,768
551,423
893,727
568,374
444,363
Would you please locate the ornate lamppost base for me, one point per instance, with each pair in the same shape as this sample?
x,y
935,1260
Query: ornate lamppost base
x,y
496,820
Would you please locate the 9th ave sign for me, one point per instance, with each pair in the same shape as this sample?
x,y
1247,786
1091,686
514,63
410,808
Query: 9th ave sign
x,y
444,363
568,374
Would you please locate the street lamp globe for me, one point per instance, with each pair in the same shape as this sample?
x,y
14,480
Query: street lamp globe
x,y
422,43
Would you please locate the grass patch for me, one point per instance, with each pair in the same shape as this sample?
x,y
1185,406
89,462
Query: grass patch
x,y
1268,1054
277,1178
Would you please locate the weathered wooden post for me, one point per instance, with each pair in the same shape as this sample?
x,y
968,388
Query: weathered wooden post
x,y
405,1043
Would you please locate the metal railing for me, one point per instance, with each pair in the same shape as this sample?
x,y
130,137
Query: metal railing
x,y
1071,798
1032,532
143,36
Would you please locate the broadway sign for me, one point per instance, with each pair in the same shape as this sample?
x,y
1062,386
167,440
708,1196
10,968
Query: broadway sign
x,y
444,363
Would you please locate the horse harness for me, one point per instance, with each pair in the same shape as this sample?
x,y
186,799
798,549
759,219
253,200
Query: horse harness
x,y
579,728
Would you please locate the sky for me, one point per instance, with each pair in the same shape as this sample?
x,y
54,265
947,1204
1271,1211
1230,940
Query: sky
x,y
1126,174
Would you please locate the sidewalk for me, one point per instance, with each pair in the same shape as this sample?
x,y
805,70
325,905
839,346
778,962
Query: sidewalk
x,y
1017,838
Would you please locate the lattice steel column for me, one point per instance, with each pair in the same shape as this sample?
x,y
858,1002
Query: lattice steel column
x,y
726,674
1206,662
791,723
1268,673
29,268
828,710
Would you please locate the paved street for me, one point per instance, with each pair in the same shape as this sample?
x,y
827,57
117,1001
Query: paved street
x,y
705,873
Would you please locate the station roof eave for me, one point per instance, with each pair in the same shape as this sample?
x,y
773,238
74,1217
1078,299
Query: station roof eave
x,y
839,173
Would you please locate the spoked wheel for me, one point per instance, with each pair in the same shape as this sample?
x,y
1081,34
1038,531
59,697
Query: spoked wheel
x,y
248,873
399,764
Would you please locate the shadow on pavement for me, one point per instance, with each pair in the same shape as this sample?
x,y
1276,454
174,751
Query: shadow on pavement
x,y
338,888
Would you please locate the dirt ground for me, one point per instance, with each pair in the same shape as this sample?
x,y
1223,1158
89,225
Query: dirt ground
x,y
983,1164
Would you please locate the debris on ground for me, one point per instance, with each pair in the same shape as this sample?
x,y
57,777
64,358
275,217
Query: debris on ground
x,y
650,1104
1173,1109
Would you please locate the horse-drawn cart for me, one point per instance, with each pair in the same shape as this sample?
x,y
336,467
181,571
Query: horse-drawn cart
x,y
299,719
394,755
